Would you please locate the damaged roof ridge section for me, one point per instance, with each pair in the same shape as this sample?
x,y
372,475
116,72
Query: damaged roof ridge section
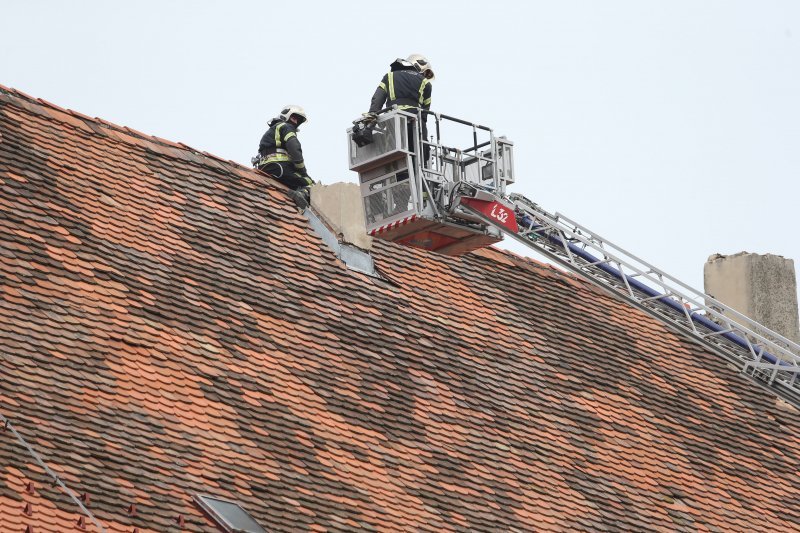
x,y
546,269
164,147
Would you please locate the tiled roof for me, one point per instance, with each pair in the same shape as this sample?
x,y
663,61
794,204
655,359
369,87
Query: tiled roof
x,y
169,325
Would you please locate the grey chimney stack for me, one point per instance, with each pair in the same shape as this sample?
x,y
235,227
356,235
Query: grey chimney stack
x,y
761,287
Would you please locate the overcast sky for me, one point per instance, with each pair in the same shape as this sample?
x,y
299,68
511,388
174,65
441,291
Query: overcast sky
x,y
671,128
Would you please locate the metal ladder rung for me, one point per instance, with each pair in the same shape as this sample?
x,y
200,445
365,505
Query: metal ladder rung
x,y
715,333
651,298
597,263
774,366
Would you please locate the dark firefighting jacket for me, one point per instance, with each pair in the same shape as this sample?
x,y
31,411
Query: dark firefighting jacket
x,y
280,144
405,87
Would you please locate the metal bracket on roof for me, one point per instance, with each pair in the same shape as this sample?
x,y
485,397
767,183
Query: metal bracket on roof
x,y
56,481
354,257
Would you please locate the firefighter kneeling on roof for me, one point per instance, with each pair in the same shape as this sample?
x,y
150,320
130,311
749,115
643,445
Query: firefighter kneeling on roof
x,y
281,156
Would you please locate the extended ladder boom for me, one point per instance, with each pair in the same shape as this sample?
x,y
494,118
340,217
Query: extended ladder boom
x,y
420,192
769,358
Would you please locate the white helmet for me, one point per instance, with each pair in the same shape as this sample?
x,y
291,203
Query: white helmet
x,y
290,110
422,64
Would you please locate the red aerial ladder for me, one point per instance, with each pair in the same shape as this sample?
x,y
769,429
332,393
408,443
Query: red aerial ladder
x,y
453,199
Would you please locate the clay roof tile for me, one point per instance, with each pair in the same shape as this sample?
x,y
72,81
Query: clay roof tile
x,y
172,326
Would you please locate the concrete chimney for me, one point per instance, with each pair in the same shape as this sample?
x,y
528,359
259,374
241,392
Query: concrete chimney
x,y
761,287
339,205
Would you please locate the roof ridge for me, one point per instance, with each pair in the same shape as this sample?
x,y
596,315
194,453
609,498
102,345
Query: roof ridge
x,y
547,269
173,149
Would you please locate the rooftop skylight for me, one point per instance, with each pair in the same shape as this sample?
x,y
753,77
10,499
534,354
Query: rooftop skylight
x,y
230,516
